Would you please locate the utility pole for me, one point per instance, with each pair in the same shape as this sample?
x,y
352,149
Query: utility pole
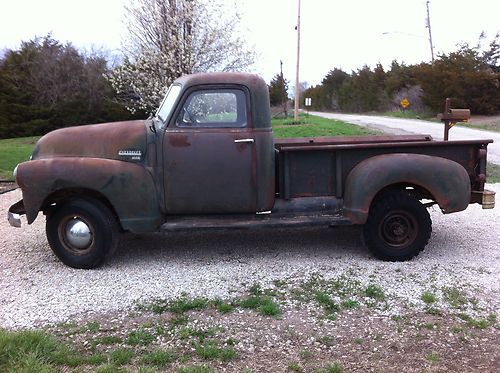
x,y
285,93
430,33
297,85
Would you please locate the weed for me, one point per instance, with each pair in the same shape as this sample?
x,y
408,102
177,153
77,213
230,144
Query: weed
x,y
492,318
433,311
330,368
185,304
432,357
375,292
455,297
177,320
122,356
428,325
201,334
256,290
106,340
358,341
396,318
210,350
305,354
280,284
428,297
262,304
139,337
326,340
91,327
478,323
225,307
158,358
295,367
324,300
349,304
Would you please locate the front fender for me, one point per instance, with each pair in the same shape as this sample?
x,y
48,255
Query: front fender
x,y
447,181
128,187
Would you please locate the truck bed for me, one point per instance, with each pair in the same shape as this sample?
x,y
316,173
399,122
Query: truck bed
x,y
309,167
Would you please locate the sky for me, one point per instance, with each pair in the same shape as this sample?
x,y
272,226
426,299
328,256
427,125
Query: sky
x,y
345,34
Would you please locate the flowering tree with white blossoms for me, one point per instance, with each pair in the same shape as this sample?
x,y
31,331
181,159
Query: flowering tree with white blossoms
x,y
170,38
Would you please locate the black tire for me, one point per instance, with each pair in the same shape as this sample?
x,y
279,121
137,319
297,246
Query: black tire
x,y
82,246
398,227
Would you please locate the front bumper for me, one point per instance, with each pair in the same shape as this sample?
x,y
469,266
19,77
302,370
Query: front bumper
x,y
486,198
14,214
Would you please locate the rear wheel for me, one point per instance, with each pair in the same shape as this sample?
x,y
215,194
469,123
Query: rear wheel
x,y
82,232
398,227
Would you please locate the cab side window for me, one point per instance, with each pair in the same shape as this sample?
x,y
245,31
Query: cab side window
x,y
214,108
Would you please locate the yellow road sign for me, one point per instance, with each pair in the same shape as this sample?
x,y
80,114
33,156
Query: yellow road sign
x,y
404,103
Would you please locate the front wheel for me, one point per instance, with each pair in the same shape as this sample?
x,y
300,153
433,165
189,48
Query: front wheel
x,y
82,232
398,227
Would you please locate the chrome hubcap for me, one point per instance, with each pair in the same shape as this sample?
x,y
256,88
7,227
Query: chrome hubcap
x,y
78,234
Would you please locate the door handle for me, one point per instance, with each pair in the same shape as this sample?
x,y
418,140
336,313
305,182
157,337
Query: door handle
x,y
247,141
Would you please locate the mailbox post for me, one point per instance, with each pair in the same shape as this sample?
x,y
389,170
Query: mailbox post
x,y
450,117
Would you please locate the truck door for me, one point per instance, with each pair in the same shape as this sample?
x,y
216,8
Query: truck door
x,y
209,153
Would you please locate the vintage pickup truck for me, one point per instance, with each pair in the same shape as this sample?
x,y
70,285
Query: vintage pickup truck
x,y
208,159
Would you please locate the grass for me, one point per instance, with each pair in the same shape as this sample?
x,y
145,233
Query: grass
x,y
264,305
14,151
34,351
375,292
428,297
210,351
493,173
139,337
313,126
409,114
433,357
455,297
158,358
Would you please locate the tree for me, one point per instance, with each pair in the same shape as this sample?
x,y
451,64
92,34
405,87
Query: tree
x,y
45,85
170,38
278,92
468,76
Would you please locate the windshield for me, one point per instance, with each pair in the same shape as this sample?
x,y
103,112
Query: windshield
x,y
168,103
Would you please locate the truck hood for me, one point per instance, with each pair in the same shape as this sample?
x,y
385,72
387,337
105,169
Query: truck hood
x,y
118,140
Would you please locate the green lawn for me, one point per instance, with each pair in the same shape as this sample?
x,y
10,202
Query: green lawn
x,y
313,126
12,152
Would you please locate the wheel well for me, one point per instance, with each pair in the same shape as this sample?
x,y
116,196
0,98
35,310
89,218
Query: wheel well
x,y
415,190
82,193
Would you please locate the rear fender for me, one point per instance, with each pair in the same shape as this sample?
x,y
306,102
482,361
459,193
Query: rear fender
x,y
447,182
128,187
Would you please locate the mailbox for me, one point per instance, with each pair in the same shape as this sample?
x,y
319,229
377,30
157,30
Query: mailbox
x,y
452,116
460,115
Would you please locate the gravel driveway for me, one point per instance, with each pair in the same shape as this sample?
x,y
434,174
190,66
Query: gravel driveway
x,y
35,288
401,126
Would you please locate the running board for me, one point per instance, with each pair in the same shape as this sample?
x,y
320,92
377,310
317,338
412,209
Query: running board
x,y
212,222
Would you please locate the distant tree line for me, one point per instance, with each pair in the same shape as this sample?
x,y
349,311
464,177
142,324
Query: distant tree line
x,y
47,85
470,76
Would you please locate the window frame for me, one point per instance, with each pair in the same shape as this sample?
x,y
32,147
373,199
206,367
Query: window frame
x,y
242,99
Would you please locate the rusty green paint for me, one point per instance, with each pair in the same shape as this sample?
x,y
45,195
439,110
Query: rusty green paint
x,y
128,187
